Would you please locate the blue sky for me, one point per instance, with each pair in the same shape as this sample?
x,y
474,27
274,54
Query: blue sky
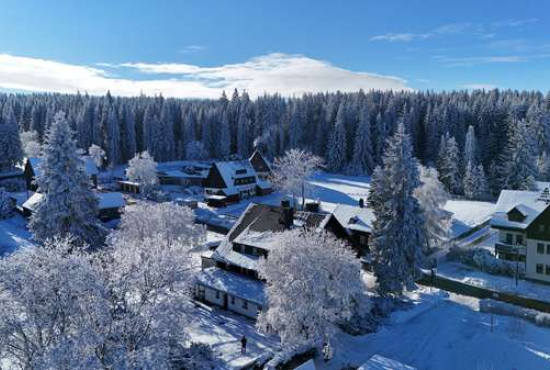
x,y
197,48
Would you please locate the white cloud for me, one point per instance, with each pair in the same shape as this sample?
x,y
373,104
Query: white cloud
x,y
403,37
479,86
471,61
272,73
192,49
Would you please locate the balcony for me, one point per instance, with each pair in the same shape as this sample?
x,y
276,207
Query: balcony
x,y
508,249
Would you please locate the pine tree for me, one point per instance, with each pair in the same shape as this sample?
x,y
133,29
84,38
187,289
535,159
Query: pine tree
x,y
69,208
337,149
448,164
224,140
398,233
470,147
543,167
481,190
519,162
11,150
362,162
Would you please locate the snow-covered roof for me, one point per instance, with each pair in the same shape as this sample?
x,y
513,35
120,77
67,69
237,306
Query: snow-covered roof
x,y
354,218
308,365
259,226
111,200
89,165
32,203
526,202
378,362
233,284
106,201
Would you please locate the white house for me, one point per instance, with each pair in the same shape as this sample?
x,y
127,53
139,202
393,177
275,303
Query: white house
x,y
522,219
230,273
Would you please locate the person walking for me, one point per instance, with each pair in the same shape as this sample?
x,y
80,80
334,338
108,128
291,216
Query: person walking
x,y
243,345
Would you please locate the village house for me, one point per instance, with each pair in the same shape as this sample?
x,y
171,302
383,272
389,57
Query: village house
x,y
230,273
32,171
260,165
110,205
184,176
522,219
231,181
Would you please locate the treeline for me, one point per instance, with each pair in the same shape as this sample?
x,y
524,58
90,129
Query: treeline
x,y
509,130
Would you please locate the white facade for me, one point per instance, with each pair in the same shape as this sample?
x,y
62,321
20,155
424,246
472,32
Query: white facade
x,y
538,260
227,301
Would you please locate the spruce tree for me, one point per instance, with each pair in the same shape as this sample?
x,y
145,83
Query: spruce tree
x,y
68,208
338,142
448,164
519,162
362,162
398,233
11,150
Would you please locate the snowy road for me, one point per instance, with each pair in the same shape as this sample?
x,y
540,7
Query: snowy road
x,y
450,336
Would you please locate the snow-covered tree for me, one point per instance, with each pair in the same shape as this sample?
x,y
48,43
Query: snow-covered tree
x,y
291,172
69,207
97,154
337,144
362,162
31,144
195,151
124,307
519,167
313,282
169,221
432,198
7,205
448,164
398,234
11,151
543,167
143,170
470,147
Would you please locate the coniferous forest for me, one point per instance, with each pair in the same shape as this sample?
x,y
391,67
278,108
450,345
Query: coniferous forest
x,y
501,138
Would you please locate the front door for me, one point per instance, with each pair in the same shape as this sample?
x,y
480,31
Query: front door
x,y
225,305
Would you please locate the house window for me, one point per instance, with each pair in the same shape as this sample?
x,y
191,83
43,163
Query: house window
x,y
539,268
541,228
519,239
232,300
540,248
245,304
547,248
363,240
217,294
547,270
509,238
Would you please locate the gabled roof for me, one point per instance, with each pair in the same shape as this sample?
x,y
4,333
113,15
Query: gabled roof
x,y
525,202
354,218
106,201
259,162
89,166
258,226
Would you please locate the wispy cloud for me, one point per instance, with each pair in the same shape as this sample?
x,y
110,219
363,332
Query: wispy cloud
x,y
515,22
484,31
192,49
403,37
479,86
273,73
471,61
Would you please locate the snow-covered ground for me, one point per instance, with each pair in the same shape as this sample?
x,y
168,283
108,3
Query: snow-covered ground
x,y
448,334
472,276
223,331
14,234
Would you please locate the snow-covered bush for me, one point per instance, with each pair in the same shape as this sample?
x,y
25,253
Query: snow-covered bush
x,y
305,350
507,309
159,196
6,204
485,261
197,356
31,144
97,154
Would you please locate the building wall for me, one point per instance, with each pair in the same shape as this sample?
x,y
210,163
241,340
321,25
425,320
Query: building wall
x,y
234,304
534,258
502,236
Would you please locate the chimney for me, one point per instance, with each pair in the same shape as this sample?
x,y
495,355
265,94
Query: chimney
x,y
287,214
361,203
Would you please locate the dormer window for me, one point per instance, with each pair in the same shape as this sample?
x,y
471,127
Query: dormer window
x,y
240,172
353,220
516,215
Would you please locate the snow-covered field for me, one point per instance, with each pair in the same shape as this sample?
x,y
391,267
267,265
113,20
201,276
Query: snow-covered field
x,y
13,234
449,334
